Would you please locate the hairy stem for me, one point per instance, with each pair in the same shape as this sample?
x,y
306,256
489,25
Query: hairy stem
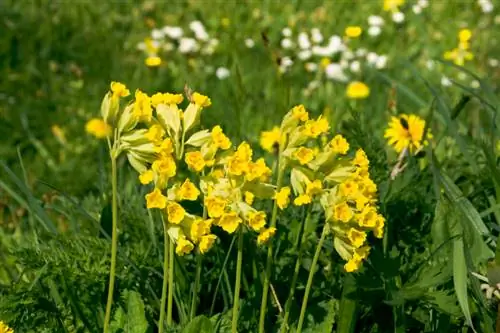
x,y
194,301
165,277
237,283
170,281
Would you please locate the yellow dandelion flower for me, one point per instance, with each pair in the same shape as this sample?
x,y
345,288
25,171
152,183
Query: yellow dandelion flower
x,y
119,89
405,132
353,31
339,144
256,220
357,90
229,222
184,246
175,212
195,161
302,199
188,191
206,243
98,128
265,235
270,140
201,100
393,5
146,177
156,199
304,155
342,212
153,61
283,197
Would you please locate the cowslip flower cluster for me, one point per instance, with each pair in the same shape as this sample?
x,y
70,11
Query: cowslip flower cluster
x,y
406,132
461,54
329,176
4,328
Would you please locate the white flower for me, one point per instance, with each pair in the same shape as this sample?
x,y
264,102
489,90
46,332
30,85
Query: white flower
x,y
445,82
372,58
398,17
355,66
222,73
313,85
335,44
475,84
335,72
430,64
374,30
199,30
211,46
493,62
173,32
348,54
304,54
157,34
381,62
320,51
287,32
303,41
316,35
486,6
311,66
344,63
188,45
249,43
416,9
286,62
168,47
286,43
375,20
360,52
423,3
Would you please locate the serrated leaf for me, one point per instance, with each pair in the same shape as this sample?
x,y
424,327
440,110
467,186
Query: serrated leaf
x,y
136,318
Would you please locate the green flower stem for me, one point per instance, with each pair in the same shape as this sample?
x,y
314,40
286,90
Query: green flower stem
x,y
114,240
165,277
170,281
269,261
237,283
194,301
299,247
310,278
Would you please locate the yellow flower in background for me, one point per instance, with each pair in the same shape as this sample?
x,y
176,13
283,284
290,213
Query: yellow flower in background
x,y
461,54
229,222
155,134
302,199
393,5
146,177
339,144
357,90
195,161
4,328
215,206
184,246
98,128
206,243
303,155
270,140
249,197
119,89
188,191
156,199
464,35
175,212
153,61
257,220
219,139
299,112
405,132
225,22
143,110
324,62
283,197
353,31
59,133
201,100
342,212
265,235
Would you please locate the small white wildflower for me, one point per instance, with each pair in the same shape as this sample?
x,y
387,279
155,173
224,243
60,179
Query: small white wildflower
x,y
335,72
173,32
303,41
445,82
287,32
493,62
168,47
311,67
304,54
316,35
314,84
348,54
286,62
375,20
188,45
344,63
157,34
462,76
374,30
335,44
475,84
430,64
372,58
416,9
423,3
398,17
249,43
355,66
321,51
381,62
361,52
199,30
286,43
222,73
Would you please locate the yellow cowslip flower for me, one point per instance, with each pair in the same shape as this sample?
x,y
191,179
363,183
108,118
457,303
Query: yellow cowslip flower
x,y
393,5
169,98
282,197
156,199
342,212
349,188
165,148
238,163
98,128
119,90
299,112
357,90
206,243
257,170
249,197
357,258
360,159
219,139
302,199
314,188
165,166
313,128
270,140
157,98
175,212
217,173
405,132
4,328
379,227
256,220
153,61
361,201
195,161
146,177
353,31
142,107
184,246
304,155
368,217
155,134
265,235
215,206
201,100
356,237
188,191
199,228
352,265
229,222
339,144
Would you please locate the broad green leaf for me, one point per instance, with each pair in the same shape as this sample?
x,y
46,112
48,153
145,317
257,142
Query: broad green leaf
x,y
460,273
200,324
136,318
348,307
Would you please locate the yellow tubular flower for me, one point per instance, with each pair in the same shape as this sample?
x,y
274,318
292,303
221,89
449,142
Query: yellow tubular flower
x,y
155,134
356,237
360,159
169,98
156,199
153,61
265,235
229,222
257,220
302,199
357,90
348,188
199,228
249,197
405,132
339,144
175,212
206,243
282,197
165,148
98,128
142,107
299,112
219,139
368,217
157,99
188,191
353,31
270,140
200,100
352,265
258,170
238,163
313,128
146,177
215,206
165,166
119,90
195,161
314,188
342,212
304,155
184,246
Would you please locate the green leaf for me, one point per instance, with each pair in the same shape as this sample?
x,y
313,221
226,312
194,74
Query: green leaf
x,y
348,307
199,324
460,279
136,318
